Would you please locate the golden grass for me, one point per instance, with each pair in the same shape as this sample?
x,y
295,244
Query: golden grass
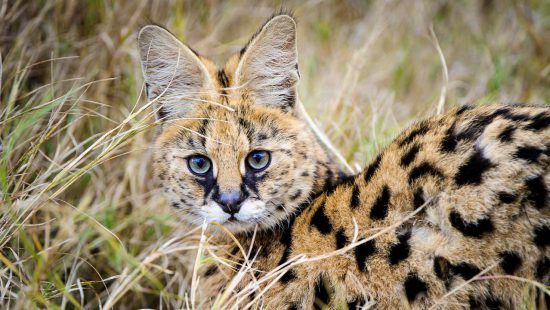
x,y
81,222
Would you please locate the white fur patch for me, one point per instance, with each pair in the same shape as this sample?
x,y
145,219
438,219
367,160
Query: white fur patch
x,y
251,209
213,213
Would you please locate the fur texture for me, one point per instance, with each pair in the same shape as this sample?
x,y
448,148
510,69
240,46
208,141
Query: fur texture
x,y
225,114
453,197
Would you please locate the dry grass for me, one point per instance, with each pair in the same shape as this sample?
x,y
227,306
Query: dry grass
x,y
81,224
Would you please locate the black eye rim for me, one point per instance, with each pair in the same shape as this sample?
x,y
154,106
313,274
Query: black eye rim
x,y
188,159
264,167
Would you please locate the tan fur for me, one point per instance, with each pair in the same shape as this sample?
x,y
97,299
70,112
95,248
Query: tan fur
x,y
434,239
450,197
225,114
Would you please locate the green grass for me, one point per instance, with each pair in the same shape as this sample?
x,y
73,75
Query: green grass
x,y
81,222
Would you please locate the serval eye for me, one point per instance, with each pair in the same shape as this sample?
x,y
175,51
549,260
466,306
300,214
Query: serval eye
x,y
199,164
258,160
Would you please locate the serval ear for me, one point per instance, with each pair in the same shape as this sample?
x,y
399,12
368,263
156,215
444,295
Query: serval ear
x,y
174,74
268,66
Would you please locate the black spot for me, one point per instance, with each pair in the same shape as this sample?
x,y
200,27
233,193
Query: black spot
x,y
539,122
286,239
296,195
424,169
445,271
510,262
448,144
542,236
418,198
529,153
211,270
321,221
290,275
294,306
321,292
516,117
341,239
506,134
414,287
475,128
465,270
373,167
543,270
442,269
175,205
329,187
471,229
472,172
537,193
401,250
409,157
505,197
355,200
420,130
362,252
380,208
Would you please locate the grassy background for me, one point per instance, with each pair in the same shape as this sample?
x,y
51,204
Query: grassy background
x,y
80,222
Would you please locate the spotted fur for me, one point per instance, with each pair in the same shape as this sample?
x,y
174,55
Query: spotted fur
x,y
225,114
486,209
452,197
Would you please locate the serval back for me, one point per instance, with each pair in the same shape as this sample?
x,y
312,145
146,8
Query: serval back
x,y
453,214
